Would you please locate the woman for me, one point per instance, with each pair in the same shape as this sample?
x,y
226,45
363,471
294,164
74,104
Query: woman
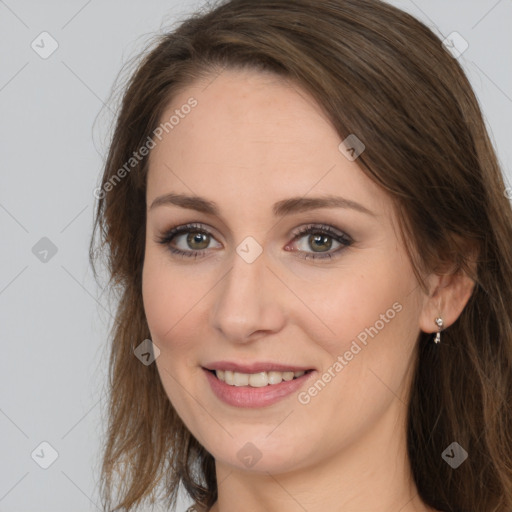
x,y
307,227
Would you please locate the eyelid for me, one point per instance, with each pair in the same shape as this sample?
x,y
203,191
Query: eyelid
x,y
325,228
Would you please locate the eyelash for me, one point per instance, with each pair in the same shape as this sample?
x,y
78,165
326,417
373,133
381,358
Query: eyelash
x,y
323,229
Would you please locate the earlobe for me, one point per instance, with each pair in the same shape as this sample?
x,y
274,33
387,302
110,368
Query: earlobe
x,y
450,294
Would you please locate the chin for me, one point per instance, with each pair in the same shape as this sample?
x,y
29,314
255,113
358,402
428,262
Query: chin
x,y
259,453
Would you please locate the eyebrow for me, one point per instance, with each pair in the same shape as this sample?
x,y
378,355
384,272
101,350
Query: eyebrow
x,y
280,209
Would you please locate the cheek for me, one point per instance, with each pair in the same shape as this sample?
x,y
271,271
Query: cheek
x,y
170,305
160,304
369,324
167,297
176,301
366,356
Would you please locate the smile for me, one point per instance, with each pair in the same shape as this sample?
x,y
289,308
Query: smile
x,y
253,390
256,380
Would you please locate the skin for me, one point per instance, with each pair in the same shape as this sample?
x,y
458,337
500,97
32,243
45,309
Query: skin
x,y
252,140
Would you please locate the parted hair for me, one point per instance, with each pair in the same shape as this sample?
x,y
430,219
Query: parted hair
x,y
382,75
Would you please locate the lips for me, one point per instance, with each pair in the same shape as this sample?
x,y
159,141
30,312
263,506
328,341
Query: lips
x,y
247,396
263,366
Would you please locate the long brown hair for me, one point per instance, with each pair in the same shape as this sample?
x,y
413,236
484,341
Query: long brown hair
x,y
380,74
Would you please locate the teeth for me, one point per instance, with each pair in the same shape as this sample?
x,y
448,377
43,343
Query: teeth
x,y
240,379
256,380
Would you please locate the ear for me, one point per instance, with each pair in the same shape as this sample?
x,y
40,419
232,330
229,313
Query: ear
x,y
449,294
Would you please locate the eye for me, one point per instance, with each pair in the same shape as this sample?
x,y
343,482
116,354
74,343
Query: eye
x,y
188,240
320,238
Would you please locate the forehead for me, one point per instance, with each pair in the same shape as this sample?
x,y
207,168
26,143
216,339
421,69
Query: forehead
x,y
253,137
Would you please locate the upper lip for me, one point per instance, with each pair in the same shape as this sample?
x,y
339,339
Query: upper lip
x,y
256,367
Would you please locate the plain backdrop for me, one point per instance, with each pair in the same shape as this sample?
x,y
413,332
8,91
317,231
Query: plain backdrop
x,y
54,318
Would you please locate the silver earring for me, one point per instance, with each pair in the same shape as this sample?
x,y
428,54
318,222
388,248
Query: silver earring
x,y
439,323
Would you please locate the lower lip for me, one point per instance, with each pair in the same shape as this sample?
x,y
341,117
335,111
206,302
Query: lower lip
x,y
247,396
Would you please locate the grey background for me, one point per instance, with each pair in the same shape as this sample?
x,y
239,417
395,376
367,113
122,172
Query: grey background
x,y
53,317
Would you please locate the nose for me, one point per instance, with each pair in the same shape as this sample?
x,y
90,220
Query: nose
x,y
248,301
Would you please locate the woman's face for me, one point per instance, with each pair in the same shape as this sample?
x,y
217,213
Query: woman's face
x,y
255,291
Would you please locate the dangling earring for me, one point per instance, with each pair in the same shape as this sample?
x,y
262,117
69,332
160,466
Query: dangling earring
x,y
439,323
